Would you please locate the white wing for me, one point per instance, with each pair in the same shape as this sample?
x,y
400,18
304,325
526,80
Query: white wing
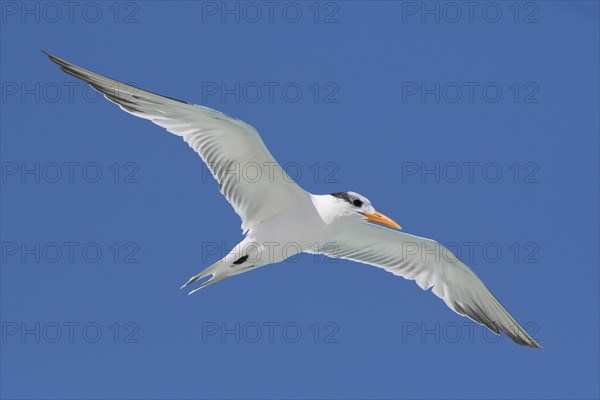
x,y
248,175
431,265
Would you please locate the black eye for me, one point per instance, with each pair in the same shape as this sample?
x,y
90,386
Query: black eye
x,y
357,203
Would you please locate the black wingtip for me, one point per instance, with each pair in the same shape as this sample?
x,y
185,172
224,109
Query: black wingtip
x,y
52,57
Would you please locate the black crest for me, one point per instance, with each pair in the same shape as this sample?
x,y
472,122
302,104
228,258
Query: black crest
x,y
343,195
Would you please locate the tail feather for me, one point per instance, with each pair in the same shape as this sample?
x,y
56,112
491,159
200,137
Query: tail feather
x,y
216,274
237,261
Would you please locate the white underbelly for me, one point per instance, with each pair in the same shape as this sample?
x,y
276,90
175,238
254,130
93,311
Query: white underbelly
x,y
290,233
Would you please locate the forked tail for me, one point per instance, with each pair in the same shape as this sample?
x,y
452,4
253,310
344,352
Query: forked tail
x,y
245,256
217,271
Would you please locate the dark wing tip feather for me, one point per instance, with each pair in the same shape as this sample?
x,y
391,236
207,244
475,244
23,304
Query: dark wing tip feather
x,y
515,332
75,71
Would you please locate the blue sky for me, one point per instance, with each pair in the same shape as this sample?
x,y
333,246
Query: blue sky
x,y
477,127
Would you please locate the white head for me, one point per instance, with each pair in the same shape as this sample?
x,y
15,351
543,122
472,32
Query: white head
x,y
354,205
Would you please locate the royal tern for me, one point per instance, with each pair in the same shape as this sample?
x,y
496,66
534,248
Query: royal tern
x,y
274,209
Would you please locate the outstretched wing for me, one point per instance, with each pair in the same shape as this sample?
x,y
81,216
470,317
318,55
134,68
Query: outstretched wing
x,y
430,265
248,175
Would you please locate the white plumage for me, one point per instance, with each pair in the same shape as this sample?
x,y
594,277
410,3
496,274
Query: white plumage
x,y
275,211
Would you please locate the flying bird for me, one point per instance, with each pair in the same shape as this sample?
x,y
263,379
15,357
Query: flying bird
x,y
274,209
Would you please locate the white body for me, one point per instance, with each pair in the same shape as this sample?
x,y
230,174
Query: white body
x,y
281,219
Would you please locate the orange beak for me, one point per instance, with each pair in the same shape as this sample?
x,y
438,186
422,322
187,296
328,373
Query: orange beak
x,y
379,218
